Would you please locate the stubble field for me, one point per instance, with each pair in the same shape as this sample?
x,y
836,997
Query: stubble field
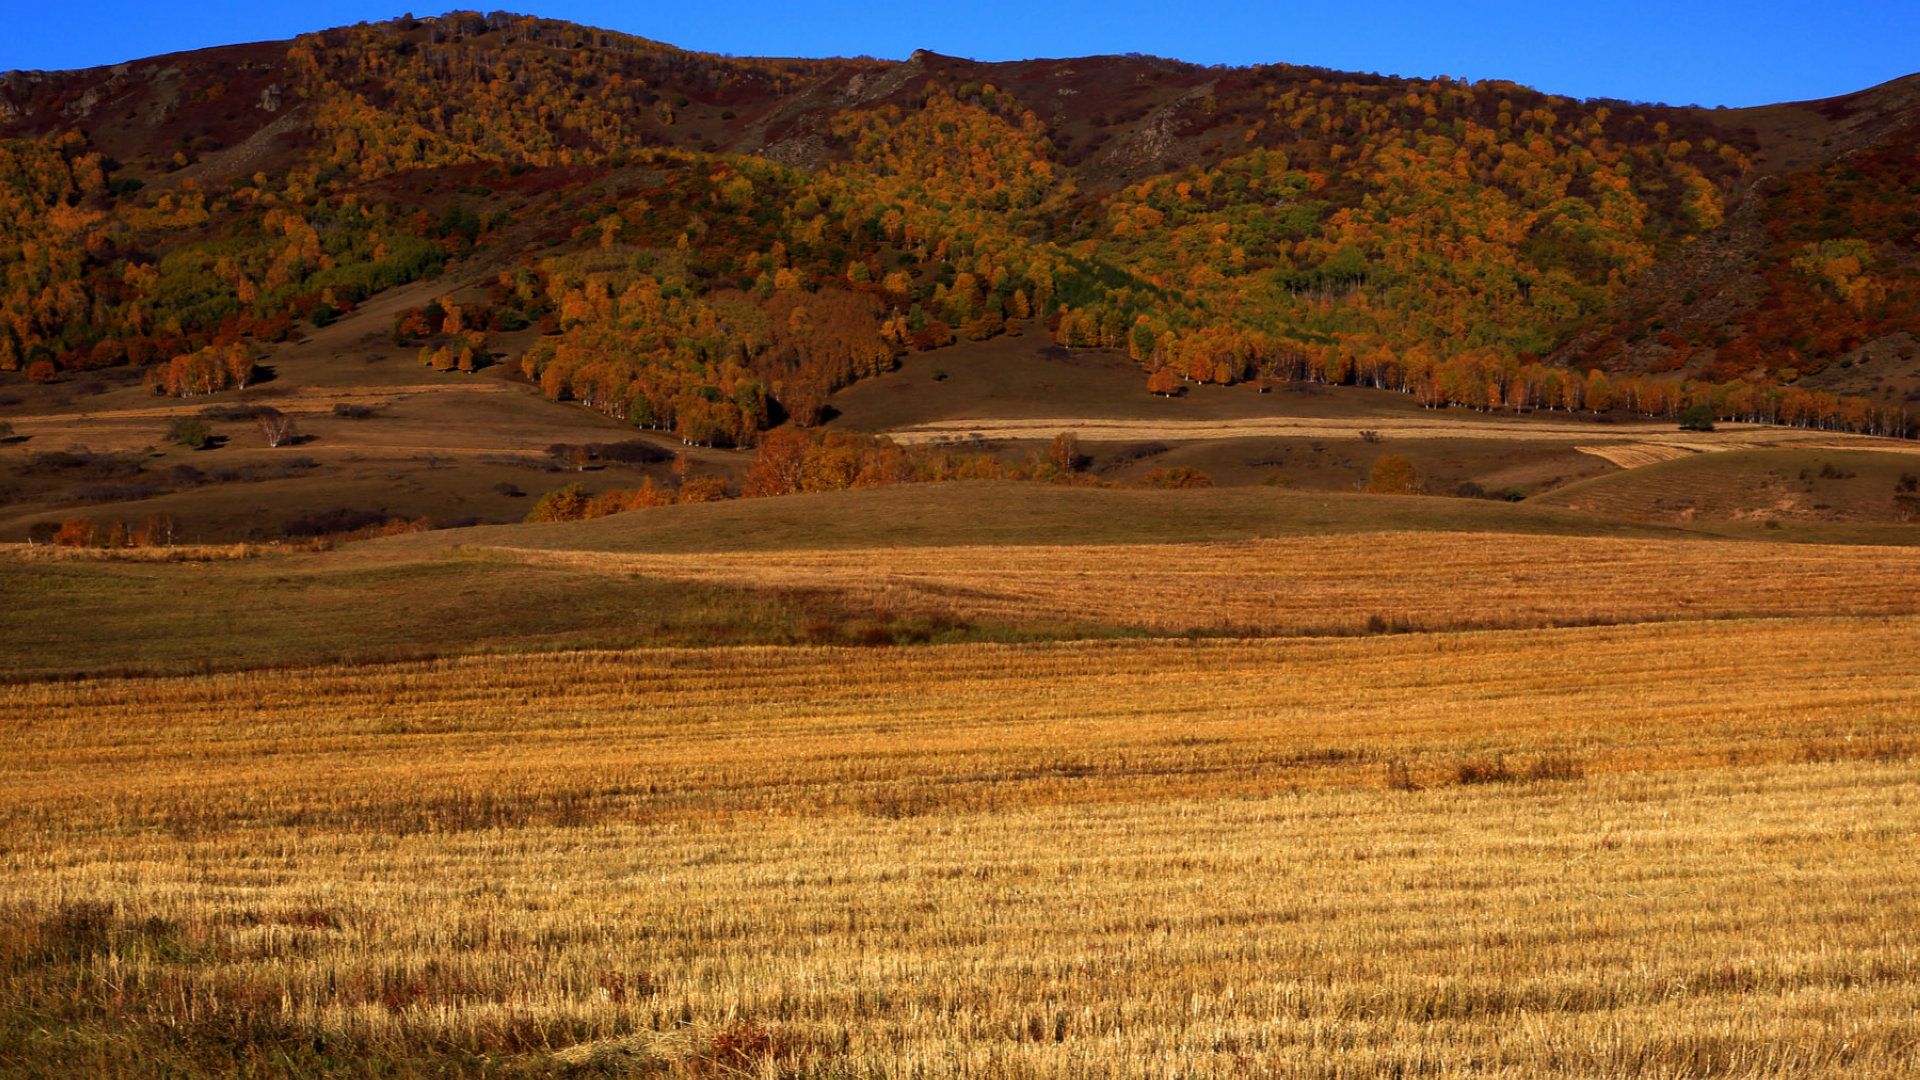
x,y
1675,849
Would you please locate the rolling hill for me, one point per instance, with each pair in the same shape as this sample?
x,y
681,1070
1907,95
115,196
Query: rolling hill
x,y
411,218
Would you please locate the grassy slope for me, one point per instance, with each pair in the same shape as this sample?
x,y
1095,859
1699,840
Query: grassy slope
x,y
60,618
444,593
1820,489
1019,513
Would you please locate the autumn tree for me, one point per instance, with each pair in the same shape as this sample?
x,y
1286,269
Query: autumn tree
x,y
156,531
1065,453
76,532
1393,475
569,503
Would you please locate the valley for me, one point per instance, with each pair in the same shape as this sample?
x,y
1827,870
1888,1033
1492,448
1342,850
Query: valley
x,y
531,552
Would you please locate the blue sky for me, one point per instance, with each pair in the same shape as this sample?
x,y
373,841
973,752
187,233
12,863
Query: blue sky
x,y
1680,52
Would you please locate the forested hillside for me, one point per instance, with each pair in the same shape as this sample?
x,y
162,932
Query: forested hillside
x,y
712,245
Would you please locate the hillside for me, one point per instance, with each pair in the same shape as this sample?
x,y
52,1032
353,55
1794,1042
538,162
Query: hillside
x,y
710,247
527,552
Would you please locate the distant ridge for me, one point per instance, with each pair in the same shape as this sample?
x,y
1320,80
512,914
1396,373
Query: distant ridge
x,y
805,221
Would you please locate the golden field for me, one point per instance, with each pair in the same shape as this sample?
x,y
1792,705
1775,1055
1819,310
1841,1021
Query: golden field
x,y
1343,583
1671,849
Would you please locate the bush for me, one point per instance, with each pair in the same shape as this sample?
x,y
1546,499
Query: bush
x,y
1557,767
111,492
569,503
189,432
1177,476
1393,475
1491,770
1697,418
628,451
328,522
238,412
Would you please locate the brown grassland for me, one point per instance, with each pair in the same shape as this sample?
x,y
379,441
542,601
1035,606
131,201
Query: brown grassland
x,y
1341,584
1659,825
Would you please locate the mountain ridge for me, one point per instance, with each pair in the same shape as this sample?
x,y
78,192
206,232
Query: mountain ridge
x,y
1404,229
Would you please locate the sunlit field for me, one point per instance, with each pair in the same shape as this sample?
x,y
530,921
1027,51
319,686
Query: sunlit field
x,y
1676,849
1319,584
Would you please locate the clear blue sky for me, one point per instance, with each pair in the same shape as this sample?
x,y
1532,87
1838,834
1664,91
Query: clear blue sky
x,y
1717,52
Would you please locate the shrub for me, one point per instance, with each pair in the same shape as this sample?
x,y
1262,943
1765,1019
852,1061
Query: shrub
x,y
328,522
1557,767
1491,770
698,489
1697,418
569,503
238,412
1177,476
1393,475
189,432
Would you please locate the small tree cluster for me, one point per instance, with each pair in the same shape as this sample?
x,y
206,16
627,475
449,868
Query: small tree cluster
x,y
207,371
158,530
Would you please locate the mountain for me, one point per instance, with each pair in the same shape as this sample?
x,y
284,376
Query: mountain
x,y
711,245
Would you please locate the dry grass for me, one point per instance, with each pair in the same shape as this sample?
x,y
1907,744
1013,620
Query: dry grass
x,y
174,554
417,596
1461,424
1779,486
1091,859
1634,455
1327,584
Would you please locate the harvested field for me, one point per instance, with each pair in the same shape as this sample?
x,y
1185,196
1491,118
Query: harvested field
x,y
1650,851
1321,584
1634,455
